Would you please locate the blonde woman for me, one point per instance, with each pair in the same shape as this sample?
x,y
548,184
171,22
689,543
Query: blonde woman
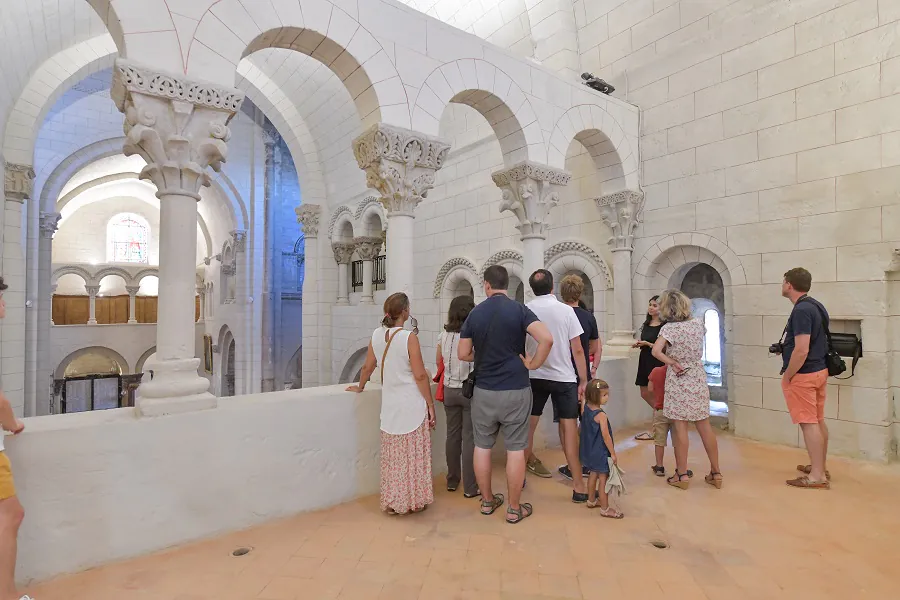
x,y
680,347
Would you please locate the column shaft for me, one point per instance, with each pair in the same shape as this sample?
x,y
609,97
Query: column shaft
x,y
343,298
368,295
92,291
400,252
532,260
623,328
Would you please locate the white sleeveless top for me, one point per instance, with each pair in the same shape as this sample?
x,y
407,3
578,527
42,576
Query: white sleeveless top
x,y
402,406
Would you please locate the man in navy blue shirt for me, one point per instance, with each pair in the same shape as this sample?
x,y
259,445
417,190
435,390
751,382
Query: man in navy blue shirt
x,y
804,374
493,336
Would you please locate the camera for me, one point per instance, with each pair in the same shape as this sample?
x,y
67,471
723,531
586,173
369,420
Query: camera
x,y
776,348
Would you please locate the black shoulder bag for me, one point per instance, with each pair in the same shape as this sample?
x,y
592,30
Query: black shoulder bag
x,y
839,344
468,386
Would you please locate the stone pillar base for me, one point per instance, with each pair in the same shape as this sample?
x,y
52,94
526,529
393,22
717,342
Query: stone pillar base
x,y
619,344
175,388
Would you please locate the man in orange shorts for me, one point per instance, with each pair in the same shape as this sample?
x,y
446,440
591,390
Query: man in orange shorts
x,y
804,375
11,512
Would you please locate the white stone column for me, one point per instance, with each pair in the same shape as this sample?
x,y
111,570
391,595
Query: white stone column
x,y
92,291
132,302
367,248
179,127
400,164
622,212
343,252
48,222
530,191
314,323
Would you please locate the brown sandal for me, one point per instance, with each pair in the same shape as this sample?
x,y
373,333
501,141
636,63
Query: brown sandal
x,y
525,510
805,482
807,469
711,479
676,481
611,513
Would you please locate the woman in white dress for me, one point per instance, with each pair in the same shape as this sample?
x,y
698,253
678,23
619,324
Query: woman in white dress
x,y
680,347
407,410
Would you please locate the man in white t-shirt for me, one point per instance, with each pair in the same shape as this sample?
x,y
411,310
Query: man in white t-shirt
x,y
557,378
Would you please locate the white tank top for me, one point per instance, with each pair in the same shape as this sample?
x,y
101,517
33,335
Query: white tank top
x,y
402,406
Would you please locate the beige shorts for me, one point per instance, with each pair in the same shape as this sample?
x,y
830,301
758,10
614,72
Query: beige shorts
x,y
661,427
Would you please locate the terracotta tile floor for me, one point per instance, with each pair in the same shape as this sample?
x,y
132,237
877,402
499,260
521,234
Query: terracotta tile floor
x,y
755,539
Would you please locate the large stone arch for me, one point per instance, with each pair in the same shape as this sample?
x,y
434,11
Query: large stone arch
x,y
60,371
494,94
50,81
606,140
230,31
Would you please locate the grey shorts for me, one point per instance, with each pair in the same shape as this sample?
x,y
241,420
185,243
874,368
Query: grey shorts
x,y
505,410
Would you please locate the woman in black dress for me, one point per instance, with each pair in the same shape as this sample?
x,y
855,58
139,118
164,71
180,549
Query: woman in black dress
x,y
646,363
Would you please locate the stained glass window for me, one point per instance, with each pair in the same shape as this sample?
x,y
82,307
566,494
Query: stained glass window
x,y
128,238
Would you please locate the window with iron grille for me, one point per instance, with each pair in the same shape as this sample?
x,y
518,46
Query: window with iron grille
x,y
356,275
379,277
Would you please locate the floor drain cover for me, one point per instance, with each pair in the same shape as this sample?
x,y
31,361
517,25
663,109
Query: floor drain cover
x,y
660,544
241,552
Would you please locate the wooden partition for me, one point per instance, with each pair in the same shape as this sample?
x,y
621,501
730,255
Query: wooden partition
x,y
109,310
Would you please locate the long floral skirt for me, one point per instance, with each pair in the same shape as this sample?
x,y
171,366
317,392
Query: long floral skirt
x,y
406,483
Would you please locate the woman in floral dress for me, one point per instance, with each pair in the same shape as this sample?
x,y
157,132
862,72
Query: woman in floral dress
x,y
680,346
407,410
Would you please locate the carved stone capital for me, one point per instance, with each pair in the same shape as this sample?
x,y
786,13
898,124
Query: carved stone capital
x,y
132,289
530,190
178,126
49,221
367,247
400,164
622,212
228,270
239,239
343,251
92,290
18,182
308,217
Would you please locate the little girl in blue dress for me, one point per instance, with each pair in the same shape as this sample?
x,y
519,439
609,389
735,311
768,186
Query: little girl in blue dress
x,y
597,447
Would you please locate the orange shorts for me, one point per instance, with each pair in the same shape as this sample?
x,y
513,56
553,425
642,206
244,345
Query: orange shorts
x,y
7,486
805,396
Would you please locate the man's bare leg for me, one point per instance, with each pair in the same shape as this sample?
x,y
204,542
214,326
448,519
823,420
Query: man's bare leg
x,y
815,446
11,515
569,428
532,427
482,460
515,476
824,428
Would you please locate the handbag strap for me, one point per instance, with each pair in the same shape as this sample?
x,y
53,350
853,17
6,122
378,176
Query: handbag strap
x,y
825,319
384,355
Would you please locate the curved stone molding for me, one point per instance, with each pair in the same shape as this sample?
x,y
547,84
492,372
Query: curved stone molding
x,y
500,257
579,249
340,210
308,217
18,182
622,212
92,277
363,205
399,164
448,266
709,250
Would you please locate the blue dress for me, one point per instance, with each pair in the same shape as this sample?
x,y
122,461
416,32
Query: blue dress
x,y
594,453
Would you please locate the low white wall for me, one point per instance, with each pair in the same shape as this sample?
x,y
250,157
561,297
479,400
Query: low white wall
x,y
104,486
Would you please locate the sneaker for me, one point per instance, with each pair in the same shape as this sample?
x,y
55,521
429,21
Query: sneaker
x,y
585,472
536,467
565,471
579,498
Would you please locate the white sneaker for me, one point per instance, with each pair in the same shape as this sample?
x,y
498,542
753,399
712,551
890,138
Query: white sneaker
x,y
26,598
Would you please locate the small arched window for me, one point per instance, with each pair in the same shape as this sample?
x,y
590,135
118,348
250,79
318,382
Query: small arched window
x,y
128,239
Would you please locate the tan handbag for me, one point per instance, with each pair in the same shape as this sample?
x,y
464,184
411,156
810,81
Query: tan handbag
x,y
384,355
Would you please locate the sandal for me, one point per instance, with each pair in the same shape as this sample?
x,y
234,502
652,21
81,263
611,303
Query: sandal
x,y
611,513
676,481
644,436
525,511
805,482
491,505
593,503
711,479
658,471
807,469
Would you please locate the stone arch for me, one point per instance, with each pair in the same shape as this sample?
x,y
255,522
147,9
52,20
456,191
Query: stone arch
x,y
88,185
99,275
109,353
578,256
354,362
72,270
142,359
71,165
511,259
494,94
318,29
151,271
604,138
45,86
368,210
451,273
340,219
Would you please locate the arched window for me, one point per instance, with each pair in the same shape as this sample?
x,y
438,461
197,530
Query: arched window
x,y
712,347
128,239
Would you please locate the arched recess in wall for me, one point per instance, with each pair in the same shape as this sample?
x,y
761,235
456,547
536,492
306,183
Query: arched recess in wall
x,y
512,260
341,227
100,351
318,29
370,217
142,359
294,370
665,264
451,274
603,137
353,366
482,86
227,373
577,257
